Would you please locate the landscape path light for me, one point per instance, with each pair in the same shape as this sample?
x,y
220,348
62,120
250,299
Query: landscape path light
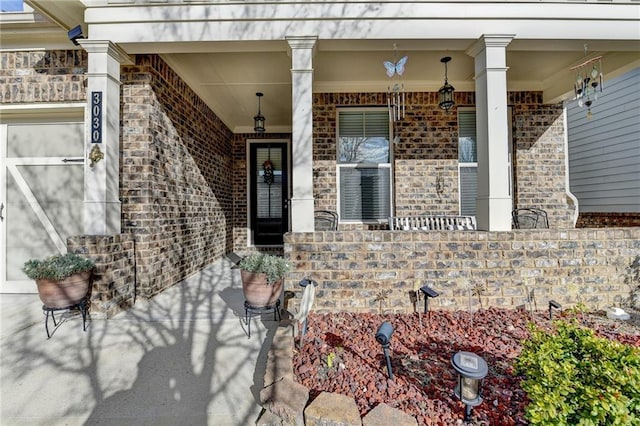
x,y
471,370
428,292
308,296
383,336
553,305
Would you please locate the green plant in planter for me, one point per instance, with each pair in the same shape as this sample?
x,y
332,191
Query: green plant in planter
x,y
274,267
57,267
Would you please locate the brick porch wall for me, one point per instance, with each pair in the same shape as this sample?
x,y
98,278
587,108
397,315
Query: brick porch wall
x,y
355,268
114,279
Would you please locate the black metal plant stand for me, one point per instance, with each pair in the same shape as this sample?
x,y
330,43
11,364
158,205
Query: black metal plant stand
x,y
250,310
82,307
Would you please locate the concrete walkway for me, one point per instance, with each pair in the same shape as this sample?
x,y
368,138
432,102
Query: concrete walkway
x,y
182,358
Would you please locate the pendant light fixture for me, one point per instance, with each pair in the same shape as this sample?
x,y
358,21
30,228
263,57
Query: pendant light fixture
x,y
258,120
445,93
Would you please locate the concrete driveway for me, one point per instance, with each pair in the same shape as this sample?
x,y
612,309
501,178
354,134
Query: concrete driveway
x,y
182,358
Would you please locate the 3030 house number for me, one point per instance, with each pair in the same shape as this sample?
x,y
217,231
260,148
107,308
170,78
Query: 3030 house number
x,y
96,117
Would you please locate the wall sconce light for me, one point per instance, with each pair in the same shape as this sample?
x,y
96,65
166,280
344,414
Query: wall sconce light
x,y
383,336
428,292
74,34
445,93
471,370
258,120
553,305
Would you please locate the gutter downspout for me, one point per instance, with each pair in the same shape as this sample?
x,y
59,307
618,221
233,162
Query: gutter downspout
x,y
576,211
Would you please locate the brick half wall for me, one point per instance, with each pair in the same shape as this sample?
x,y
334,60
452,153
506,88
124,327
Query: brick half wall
x,y
114,286
364,271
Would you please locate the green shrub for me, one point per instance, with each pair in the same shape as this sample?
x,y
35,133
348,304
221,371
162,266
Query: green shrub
x,y
573,377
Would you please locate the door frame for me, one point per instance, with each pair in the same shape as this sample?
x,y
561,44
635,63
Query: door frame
x,y
248,171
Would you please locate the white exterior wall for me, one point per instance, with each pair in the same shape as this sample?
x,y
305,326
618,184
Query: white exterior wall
x,y
604,151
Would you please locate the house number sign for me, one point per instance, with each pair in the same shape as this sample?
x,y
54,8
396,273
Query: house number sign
x,y
96,117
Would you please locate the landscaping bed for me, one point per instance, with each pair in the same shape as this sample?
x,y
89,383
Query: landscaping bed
x,y
340,354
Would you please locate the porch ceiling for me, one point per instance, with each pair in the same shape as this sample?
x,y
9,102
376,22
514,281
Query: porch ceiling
x,y
227,74
228,80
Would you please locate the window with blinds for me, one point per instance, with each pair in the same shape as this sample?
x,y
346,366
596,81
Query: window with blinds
x,y
364,165
467,161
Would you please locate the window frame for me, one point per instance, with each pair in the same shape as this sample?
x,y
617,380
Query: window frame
x,y
466,165
363,165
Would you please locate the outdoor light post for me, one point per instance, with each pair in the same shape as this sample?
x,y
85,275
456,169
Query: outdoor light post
x,y
383,336
471,370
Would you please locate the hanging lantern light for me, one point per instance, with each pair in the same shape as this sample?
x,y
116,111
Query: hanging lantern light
x,y
446,92
258,120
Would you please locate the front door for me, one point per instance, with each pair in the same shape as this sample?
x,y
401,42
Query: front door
x,y
269,192
41,193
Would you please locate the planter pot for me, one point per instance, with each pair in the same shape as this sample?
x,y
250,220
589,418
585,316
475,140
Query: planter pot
x,y
65,293
257,292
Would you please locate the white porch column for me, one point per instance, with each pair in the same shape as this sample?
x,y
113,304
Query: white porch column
x,y
302,132
493,205
102,118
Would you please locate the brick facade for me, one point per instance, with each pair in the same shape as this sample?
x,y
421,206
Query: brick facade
x,y
176,180
426,154
177,176
360,271
184,198
607,220
43,76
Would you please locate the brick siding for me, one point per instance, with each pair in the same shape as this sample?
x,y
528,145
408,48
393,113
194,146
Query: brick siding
x,y
607,220
177,176
43,76
184,199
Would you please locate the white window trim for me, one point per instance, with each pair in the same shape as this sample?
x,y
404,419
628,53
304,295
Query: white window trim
x,y
353,165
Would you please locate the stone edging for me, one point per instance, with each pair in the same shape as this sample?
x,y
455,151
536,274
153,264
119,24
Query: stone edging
x,y
284,401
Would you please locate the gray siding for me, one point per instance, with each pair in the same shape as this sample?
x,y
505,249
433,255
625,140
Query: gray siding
x,y
604,151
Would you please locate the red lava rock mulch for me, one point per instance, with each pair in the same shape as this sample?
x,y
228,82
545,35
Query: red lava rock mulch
x,y
340,354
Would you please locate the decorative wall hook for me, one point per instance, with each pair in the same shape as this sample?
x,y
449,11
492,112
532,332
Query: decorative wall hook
x,y
439,183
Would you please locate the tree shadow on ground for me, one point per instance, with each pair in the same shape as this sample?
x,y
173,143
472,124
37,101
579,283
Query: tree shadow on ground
x,y
179,358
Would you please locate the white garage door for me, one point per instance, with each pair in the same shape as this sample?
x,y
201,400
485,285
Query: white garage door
x,y
41,191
